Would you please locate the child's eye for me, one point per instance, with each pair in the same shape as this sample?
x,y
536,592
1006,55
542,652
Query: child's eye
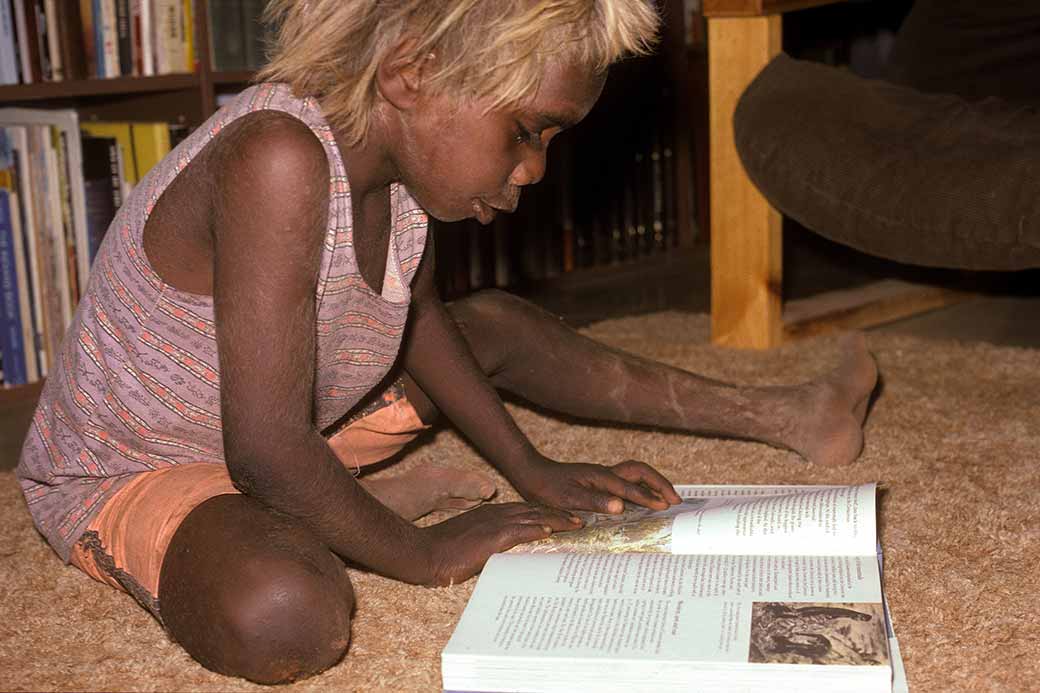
x,y
525,136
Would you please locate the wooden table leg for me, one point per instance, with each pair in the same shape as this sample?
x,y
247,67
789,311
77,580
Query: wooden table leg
x,y
746,242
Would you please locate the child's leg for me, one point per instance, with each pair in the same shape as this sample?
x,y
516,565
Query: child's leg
x,y
533,354
252,593
246,591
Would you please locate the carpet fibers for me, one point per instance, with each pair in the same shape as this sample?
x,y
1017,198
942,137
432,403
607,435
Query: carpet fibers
x,y
954,440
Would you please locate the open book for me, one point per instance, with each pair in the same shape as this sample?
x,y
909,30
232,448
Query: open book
x,y
739,588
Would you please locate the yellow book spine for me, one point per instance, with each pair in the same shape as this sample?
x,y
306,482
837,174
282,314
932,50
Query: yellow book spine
x,y
151,144
189,35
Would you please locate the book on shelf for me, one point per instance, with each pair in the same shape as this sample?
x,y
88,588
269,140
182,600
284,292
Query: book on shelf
x,y
236,34
9,72
102,187
106,37
124,41
738,588
53,44
28,51
12,287
255,33
144,28
227,35
70,39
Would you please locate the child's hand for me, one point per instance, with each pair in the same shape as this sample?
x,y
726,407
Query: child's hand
x,y
459,547
595,487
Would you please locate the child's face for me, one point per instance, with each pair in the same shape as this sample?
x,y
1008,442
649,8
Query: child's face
x,y
459,162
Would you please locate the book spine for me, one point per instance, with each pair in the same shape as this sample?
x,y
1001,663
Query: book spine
x,y
164,26
151,144
29,63
100,186
61,150
110,38
188,35
226,35
252,54
39,29
53,41
124,45
135,37
175,41
147,38
8,52
97,23
11,323
70,38
56,230
86,15
32,368
45,254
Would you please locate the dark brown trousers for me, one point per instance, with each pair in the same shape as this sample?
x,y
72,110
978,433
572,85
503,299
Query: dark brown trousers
x,y
924,178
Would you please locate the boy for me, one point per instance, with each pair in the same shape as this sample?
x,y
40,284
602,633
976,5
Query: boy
x,y
255,288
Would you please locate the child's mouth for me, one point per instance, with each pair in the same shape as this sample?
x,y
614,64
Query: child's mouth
x,y
483,212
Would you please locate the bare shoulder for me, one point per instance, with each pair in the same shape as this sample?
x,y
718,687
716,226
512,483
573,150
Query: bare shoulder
x,y
270,160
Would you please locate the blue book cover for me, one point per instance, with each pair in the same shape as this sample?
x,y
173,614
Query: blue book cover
x,y
99,39
11,318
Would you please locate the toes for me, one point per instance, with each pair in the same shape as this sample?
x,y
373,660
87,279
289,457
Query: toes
x,y
473,486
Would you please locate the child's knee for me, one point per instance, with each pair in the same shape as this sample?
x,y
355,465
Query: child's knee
x,y
495,307
280,620
255,595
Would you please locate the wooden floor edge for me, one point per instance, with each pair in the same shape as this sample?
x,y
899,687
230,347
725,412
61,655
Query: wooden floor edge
x,y
868,306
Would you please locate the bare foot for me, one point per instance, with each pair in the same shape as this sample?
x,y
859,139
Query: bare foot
x,y
830,424
425,489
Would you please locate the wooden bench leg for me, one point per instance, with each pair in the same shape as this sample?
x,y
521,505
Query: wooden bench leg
x,y
746,242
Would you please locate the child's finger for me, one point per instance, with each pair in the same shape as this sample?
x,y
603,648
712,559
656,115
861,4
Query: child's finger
x,y
635,492
642,473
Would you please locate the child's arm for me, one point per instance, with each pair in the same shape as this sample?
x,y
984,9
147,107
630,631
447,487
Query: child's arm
x,y
439,360
268,231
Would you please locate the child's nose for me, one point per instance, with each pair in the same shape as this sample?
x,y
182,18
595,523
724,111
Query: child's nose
x,y
530,170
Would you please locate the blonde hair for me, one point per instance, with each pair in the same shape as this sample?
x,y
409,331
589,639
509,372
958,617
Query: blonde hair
x,y
486,49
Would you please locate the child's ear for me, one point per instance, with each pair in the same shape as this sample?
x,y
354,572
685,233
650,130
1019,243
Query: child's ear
x,y
399,76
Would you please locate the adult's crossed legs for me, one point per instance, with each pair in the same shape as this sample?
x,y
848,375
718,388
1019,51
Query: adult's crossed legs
x,y
927,179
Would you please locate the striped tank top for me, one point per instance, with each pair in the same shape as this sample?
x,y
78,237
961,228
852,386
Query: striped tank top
x,y
136,386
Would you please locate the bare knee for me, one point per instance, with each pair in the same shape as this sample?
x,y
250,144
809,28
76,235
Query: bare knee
x,y
251,594
279,620
498,324
492,305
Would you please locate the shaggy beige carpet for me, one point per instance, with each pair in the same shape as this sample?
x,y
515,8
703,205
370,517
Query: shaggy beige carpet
x,y
954,439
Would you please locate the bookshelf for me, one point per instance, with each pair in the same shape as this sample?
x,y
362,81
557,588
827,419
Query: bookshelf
x,y
186,98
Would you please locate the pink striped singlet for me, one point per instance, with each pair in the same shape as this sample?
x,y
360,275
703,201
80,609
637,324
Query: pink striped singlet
x,y
136,386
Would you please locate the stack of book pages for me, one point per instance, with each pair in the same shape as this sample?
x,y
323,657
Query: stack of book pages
x,y
738,588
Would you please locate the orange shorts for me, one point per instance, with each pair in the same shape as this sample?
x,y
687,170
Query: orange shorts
x,y
125,544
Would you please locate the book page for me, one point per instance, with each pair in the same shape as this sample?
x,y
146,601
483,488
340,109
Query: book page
x,y
724,609
776,520
757,520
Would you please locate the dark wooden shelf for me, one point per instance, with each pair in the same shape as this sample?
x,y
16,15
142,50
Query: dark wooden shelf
x,y
233,76
13,397
98,87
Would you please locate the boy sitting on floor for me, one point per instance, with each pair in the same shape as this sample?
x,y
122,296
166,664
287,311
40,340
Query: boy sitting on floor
x,y
242,348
